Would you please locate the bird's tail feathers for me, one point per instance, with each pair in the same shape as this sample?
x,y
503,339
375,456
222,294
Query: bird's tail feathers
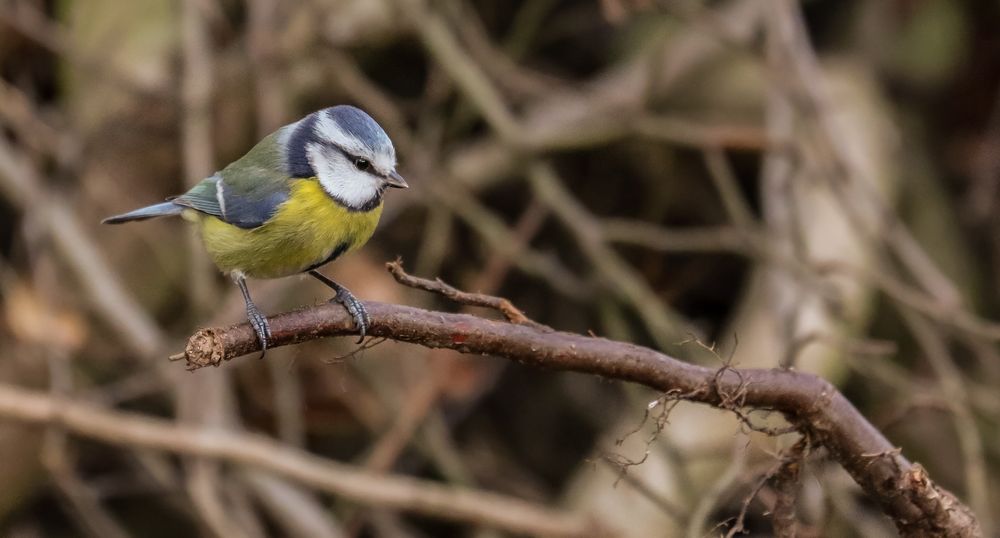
x,y
156,210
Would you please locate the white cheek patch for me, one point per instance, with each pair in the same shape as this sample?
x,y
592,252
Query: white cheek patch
x,y
330,130
341,180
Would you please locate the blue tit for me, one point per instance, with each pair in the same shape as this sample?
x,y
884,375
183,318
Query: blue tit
x,y
305,195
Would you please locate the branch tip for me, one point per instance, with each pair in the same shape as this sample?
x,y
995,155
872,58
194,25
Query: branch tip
x,y
204,348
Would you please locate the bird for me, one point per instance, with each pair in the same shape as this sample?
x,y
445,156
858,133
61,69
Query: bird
x,y
305,195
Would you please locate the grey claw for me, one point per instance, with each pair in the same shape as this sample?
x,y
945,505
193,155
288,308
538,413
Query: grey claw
x,y
357,311
353,306
256,319
262,328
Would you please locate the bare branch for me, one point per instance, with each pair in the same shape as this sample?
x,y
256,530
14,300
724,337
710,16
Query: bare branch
x,y
809,403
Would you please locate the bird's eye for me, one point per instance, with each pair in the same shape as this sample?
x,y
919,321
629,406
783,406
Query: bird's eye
x,y
362,164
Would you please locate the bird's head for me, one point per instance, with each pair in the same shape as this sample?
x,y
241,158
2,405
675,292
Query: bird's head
x,y
347,151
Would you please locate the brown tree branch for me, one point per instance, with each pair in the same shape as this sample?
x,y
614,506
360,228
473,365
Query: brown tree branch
x,y
811,404
259,452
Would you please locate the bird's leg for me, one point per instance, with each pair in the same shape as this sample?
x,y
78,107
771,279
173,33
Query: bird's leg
x,y
351,303
257,320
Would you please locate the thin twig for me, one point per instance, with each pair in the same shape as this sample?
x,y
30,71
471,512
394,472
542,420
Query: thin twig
x,y
708,239
31,22
744,507
970,441
451,56
710,499
59,462
502,240
702,134
505,307
664,324
22,185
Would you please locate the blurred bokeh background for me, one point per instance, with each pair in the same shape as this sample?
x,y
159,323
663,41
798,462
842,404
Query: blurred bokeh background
x,y
811,185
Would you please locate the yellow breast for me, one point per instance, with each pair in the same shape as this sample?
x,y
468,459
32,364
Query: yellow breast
x,y
305,231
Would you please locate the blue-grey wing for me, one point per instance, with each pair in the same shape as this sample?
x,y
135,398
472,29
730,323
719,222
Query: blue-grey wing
x,y
242,207
248,192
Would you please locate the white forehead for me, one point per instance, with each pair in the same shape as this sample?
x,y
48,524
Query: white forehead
x,y
375,147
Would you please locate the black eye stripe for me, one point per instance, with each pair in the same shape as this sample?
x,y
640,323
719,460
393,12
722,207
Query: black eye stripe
x,y
354,158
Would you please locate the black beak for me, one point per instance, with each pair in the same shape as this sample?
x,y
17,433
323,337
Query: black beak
x,y
396,180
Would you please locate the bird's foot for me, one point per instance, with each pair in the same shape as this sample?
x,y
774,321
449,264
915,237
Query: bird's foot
x,y
355,308
350,302
260,326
